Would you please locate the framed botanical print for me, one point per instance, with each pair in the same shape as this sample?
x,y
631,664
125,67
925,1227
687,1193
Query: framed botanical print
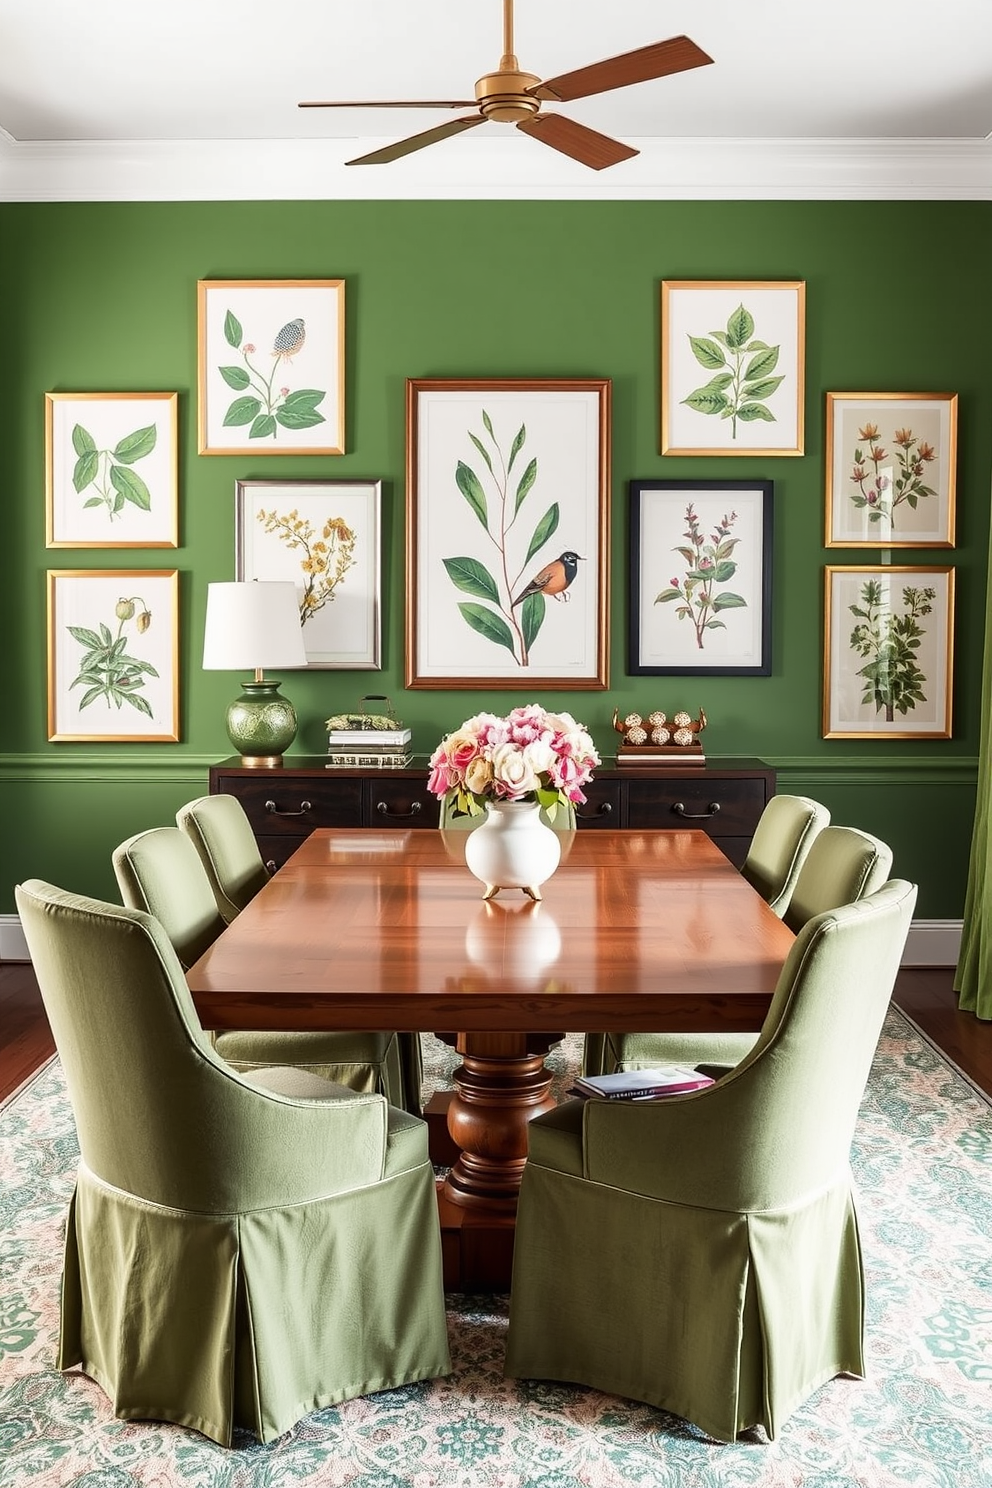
x,y
732,366
325,536
891,470
700,578
110,470
271,366
508,533
888,652
113,655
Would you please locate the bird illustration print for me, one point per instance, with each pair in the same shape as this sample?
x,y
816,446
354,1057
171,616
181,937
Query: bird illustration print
x,y
501,499
554,578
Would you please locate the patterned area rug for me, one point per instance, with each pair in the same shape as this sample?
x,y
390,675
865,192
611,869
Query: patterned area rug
x,y
923,1163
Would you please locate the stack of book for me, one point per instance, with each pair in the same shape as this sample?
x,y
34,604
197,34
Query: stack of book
x,y
660,754
368,749
642,1084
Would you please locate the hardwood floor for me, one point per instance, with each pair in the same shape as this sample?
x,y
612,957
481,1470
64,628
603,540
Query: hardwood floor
x,y
925,993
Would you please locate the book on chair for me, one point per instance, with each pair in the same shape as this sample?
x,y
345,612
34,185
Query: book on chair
x,y
642,1084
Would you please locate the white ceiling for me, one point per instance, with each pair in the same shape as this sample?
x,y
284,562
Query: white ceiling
x,y
816,99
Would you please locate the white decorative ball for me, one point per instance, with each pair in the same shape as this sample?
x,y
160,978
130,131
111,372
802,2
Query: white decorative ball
x,y
682,736
656,718
681,720
660,735
633,720
636,735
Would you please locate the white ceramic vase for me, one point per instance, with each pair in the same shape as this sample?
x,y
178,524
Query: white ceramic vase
x,y
513,848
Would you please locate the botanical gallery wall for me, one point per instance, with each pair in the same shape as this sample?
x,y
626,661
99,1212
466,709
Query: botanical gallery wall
x,y
731,459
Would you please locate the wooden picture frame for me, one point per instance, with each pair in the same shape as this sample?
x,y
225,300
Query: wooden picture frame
x,y
100,690
700,578
111,470
872,689
326,537
270,366
508,520
733,366
891,470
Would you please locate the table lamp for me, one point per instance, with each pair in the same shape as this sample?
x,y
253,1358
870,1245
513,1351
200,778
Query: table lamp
x,y
256,625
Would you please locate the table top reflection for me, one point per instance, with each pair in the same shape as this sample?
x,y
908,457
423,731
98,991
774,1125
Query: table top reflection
x,y
388,930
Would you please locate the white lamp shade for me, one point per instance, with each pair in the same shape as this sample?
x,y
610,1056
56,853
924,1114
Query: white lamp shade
x,y
254,624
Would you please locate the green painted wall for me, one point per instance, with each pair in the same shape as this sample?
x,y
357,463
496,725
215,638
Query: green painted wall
x,y
102,297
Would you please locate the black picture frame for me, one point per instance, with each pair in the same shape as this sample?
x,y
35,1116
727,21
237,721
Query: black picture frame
x,y
680,531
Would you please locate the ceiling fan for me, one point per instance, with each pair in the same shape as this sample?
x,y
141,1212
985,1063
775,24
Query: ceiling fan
x,y
511,96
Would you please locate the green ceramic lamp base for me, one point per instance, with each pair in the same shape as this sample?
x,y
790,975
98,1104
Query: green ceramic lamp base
x,y
260,724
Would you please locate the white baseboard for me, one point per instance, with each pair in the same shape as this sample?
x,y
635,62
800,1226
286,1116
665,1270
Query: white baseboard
x,y
930,943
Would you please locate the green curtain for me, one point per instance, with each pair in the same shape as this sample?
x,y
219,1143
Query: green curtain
x,y
972,979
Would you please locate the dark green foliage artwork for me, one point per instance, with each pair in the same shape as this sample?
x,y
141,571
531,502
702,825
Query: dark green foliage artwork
x,y
260,404
111,471
892,677
106,670
742,368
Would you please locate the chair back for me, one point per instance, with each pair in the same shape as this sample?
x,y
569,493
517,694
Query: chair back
x,y
564,818
225,843
842,865
159,871
782,839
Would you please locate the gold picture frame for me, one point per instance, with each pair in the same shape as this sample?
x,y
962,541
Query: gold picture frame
x,y
508,533
111,470
872,690
733,366
270,357
99,691
891,470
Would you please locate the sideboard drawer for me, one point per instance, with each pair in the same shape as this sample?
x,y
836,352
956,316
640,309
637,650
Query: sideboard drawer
x,y
290,805
602,805
399,801
721,807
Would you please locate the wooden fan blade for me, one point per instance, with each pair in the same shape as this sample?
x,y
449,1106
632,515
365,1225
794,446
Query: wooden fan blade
x,y
417,142
678,54
395,103
586,145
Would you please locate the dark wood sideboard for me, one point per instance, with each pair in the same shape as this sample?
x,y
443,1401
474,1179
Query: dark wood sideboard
x,y
285,804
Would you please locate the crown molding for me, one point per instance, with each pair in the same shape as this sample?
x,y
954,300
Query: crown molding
x,y
494,169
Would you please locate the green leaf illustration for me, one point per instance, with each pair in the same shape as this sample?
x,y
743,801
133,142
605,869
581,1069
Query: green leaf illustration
x,y
545,528
707,353
242,411
740,328
667,595
472,577
763,389
488,624
130,487
85,637
85,469
482,450
724,570
750,413
137,701
532,618
263,427
763,364
82,441
296,417
304,398
729,602
235,377
526,481
487,421
708,400
517,446
471,488
136,446
233,333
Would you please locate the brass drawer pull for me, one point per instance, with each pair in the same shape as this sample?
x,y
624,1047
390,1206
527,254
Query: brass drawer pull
x,y
603,809
383,809
712,810
273,809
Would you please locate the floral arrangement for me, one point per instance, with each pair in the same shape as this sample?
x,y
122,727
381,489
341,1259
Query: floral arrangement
x,y
530,755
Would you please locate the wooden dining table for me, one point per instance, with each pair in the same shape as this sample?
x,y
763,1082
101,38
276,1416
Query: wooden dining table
x,y
387,929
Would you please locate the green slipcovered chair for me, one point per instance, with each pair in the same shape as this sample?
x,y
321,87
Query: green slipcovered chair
x,y
717,1231
159,871
782,839
842,864
225,843
239,1251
